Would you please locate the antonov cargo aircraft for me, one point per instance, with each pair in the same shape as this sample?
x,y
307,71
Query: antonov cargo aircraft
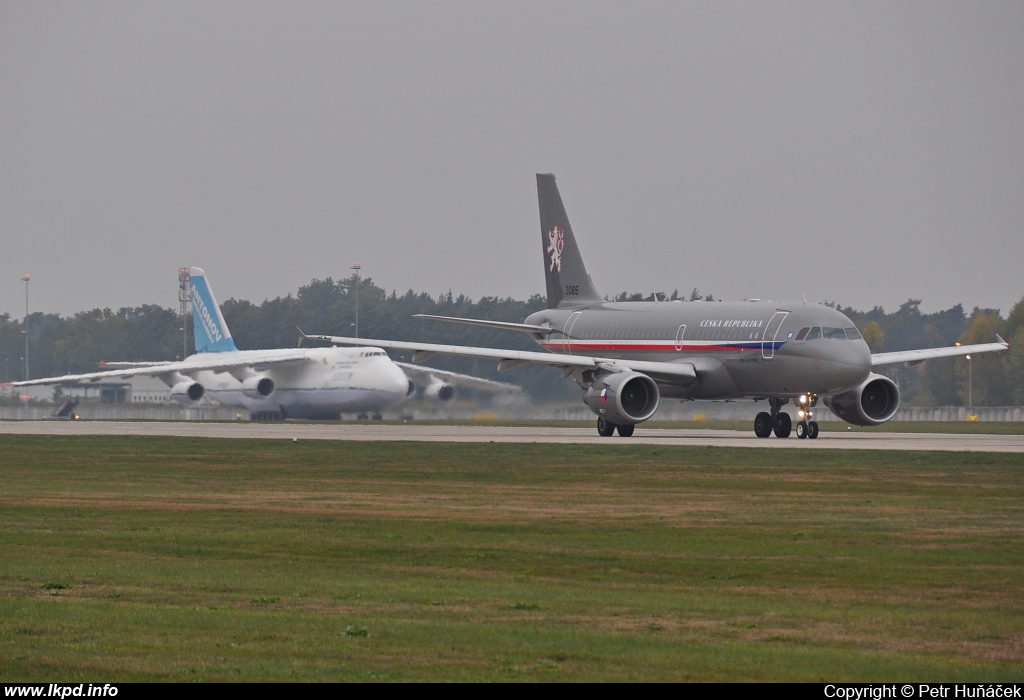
x,y
315,383
627,356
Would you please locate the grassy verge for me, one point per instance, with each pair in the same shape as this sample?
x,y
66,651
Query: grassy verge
x,y
177,559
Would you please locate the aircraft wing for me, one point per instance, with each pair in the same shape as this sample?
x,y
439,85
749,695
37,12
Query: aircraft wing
x,y
504,325
428,374
916,357
672,372
213,362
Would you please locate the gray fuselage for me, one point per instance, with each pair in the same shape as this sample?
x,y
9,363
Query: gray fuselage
x,y
756,349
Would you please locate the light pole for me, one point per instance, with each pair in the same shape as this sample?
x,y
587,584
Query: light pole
x,y
25,278
970,388
357,267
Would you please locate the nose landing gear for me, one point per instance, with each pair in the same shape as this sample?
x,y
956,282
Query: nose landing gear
x,y
807,428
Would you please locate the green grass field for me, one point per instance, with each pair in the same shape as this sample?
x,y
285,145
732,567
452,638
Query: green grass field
x,y
178,559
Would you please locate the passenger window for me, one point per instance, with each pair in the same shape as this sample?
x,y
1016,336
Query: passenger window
x,y
813,334
803,333
834,333
852,333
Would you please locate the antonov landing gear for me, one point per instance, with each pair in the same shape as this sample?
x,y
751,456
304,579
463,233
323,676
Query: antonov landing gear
x,y
607,429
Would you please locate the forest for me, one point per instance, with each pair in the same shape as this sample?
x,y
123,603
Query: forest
x,y
74,344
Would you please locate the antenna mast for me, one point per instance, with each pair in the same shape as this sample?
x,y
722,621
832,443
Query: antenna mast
x,y
183,299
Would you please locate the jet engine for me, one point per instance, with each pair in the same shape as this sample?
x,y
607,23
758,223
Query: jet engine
x,y
439,391
872,403
623,398
187,392
258,386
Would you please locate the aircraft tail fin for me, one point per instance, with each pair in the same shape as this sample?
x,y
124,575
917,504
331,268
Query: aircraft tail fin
x,y
211,332
568,281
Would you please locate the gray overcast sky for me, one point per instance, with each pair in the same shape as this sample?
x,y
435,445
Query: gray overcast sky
x,y
864,152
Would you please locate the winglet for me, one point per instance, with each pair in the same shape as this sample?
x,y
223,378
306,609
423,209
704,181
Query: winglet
x,y
302,336
1000,339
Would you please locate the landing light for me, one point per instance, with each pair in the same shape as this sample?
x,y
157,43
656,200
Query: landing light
x,y
803,399
800,413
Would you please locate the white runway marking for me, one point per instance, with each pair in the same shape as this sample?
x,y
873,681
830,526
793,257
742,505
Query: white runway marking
x,y
860,440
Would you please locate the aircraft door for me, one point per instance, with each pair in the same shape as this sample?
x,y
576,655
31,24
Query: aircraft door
x,y
770,331
679,337
567,331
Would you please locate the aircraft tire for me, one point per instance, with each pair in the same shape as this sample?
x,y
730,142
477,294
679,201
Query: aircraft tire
x,y
783,425
801,430
378,416
625,430
812,430
604,428
362,416
763,424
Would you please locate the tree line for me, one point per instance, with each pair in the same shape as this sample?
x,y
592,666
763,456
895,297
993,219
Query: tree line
x,y
74,344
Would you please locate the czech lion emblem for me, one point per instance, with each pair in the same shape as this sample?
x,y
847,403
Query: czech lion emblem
x,y
556,242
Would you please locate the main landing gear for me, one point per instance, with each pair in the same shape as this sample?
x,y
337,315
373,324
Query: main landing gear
x,y
781,423
606,429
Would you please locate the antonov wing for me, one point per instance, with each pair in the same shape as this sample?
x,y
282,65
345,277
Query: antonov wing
x,y
674,372
428,374
916,357
214,362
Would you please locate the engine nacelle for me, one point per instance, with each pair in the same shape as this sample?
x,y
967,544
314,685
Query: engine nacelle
x,y
623,398
872,403
258,386
439,391
187,392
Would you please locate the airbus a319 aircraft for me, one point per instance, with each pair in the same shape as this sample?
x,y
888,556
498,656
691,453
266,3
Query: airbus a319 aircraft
x,y
314,383
627,356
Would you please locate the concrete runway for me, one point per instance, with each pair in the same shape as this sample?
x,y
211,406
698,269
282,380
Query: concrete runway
x,y
855,439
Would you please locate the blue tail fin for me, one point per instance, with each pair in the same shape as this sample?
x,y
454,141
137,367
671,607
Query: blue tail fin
x,y
212,334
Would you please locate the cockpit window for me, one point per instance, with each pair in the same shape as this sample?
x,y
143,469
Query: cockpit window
x,y
852,333
803,333
834,333
813,334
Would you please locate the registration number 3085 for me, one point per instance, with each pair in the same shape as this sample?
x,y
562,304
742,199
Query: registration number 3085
x,y
572,290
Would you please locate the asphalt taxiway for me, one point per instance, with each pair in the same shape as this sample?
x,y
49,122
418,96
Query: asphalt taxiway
x,y
849,440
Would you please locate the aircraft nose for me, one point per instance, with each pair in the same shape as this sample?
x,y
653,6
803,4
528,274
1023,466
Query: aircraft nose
x,y
399,381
